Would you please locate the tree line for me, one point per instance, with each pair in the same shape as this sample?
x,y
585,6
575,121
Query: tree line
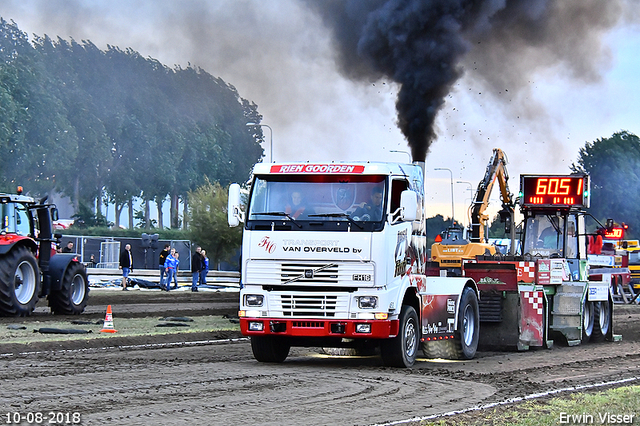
x,y
111,126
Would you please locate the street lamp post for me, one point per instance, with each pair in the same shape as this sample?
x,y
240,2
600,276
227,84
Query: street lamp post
x,y
452,203
470,187
470,197
402,152
468,183
270,138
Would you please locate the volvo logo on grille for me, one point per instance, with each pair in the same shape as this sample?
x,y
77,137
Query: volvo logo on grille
x,y
308,273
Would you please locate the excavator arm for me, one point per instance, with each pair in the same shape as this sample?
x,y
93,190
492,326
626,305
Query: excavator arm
x,y
496,170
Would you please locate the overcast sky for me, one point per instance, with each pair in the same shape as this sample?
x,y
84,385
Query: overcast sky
x,y
278,54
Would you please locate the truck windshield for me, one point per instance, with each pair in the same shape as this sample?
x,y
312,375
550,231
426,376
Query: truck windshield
x,y
545,236
333,198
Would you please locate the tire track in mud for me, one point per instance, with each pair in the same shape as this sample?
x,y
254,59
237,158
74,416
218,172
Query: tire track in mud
x,y
168,385
154,382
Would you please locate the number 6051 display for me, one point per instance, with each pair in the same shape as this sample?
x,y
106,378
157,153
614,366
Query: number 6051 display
x,y
564,191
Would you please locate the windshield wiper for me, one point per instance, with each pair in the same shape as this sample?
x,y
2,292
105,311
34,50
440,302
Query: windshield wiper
x,y
287,215
338,215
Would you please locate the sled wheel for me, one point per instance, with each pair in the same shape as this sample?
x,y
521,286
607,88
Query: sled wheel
x,y
602,320
588,320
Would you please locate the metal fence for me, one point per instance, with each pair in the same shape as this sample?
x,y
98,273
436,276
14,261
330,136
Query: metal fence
x,y
104,252
109,255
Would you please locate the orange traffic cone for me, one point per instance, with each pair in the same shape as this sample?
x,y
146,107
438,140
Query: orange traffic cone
x,y
108,322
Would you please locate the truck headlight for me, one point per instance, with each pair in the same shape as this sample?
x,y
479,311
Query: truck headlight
x,y
367,302
253,299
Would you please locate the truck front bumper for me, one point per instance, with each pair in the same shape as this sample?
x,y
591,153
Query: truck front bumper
x,y
300,327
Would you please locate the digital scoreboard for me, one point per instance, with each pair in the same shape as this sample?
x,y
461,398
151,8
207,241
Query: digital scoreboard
x,y
615,233
560,191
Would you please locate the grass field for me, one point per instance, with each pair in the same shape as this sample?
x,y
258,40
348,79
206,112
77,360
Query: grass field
x,y
614,406
127,327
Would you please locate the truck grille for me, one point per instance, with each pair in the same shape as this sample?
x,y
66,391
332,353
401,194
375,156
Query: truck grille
x,y
308,305
295,272
312,274
308,324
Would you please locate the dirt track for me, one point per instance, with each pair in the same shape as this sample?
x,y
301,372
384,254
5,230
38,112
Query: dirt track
x,y
215,380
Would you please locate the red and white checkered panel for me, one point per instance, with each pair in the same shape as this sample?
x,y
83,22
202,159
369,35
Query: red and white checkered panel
x,y
535,299
532,321
526,272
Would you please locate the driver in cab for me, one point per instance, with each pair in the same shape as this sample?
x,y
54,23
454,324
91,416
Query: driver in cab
x,y
371,211
296,206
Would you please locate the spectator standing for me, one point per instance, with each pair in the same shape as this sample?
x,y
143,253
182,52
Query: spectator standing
x,y
196,267
126,263
175,277
68,248
204,270
171,267
163,256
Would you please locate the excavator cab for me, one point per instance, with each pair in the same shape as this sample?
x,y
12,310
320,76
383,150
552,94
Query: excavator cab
x,y
452,234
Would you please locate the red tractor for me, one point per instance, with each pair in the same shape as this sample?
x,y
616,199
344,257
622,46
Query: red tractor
x,y
30,268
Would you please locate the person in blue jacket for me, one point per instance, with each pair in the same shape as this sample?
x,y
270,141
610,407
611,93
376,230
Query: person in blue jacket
x,y
171,266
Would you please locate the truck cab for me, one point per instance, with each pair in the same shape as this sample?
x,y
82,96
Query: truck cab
x,y
334,255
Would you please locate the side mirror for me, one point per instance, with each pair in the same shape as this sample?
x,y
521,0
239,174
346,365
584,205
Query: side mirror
x,y
234,214
54,214
409,205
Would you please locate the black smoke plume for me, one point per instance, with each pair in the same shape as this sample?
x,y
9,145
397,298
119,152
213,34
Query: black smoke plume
x,y
421,44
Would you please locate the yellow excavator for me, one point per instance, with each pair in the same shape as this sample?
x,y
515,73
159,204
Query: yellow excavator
x,y
451,248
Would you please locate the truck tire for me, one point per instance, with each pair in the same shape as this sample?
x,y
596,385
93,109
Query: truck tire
x,y
401,351
269,349
19,283
72,297
602,321
364,349
465,344
588,320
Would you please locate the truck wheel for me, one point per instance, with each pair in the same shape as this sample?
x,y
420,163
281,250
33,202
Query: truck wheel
x,y
587,320
465,345
72,297
602,322
19,283
364,349
401,351
269,349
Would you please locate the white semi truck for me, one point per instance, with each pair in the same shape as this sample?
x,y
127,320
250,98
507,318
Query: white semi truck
x,y
334,255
